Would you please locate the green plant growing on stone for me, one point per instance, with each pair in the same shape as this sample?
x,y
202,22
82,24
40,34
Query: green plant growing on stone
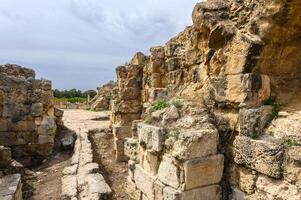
x,y
159,105
292,143
275,105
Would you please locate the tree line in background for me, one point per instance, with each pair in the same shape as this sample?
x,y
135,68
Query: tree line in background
x,y
73,95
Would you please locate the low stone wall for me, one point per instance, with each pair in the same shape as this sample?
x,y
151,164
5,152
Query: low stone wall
x,y
82,180
68,105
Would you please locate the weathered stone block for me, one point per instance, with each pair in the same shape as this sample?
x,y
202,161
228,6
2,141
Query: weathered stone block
x,y
48,126
122,119
169,172
277,189
151,162
5,156
11,187
195,144
212,192
144,181
37,109
3,125
69,187
209,170
128,106
131,148
22,126
242,90
121,132
158,190
171,194
254,121
132,190
293,164
242,178
151,137
263,156
157,94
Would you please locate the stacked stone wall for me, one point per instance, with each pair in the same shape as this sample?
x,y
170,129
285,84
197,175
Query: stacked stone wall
x,y
225,75
27,120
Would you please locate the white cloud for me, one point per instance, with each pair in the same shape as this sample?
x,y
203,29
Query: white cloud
x,y
89,36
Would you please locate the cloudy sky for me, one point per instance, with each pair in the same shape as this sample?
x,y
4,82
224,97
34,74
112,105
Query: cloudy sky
x,y
78,43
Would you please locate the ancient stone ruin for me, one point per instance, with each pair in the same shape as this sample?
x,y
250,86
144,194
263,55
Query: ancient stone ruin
x,y
199,118
214,114
105,94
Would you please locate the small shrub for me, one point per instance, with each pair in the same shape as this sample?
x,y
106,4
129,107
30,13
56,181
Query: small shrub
x,y
292,143
159,105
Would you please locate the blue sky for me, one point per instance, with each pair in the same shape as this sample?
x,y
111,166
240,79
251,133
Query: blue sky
x,y
79,43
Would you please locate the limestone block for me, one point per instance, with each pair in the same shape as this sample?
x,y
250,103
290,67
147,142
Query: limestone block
x,y
130,93
58,112
5,156
242,178
212,192
293,164
121,132
48,126
123,119
158,93
241,90
151,162
94,188
171,114
132,190
171,194
169,172
131,168
11,138
134,128
260,155
69,187
144,181
286,125
151,137
11,187
196,143
70,170
37,109
119,150
209,170
175,77
128,106
89,168
138,59
131,148
45,139
3,125
254,121
277,189
158,190
27,125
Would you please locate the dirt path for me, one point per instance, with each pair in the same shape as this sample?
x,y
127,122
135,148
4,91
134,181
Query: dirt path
x,y
44,182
